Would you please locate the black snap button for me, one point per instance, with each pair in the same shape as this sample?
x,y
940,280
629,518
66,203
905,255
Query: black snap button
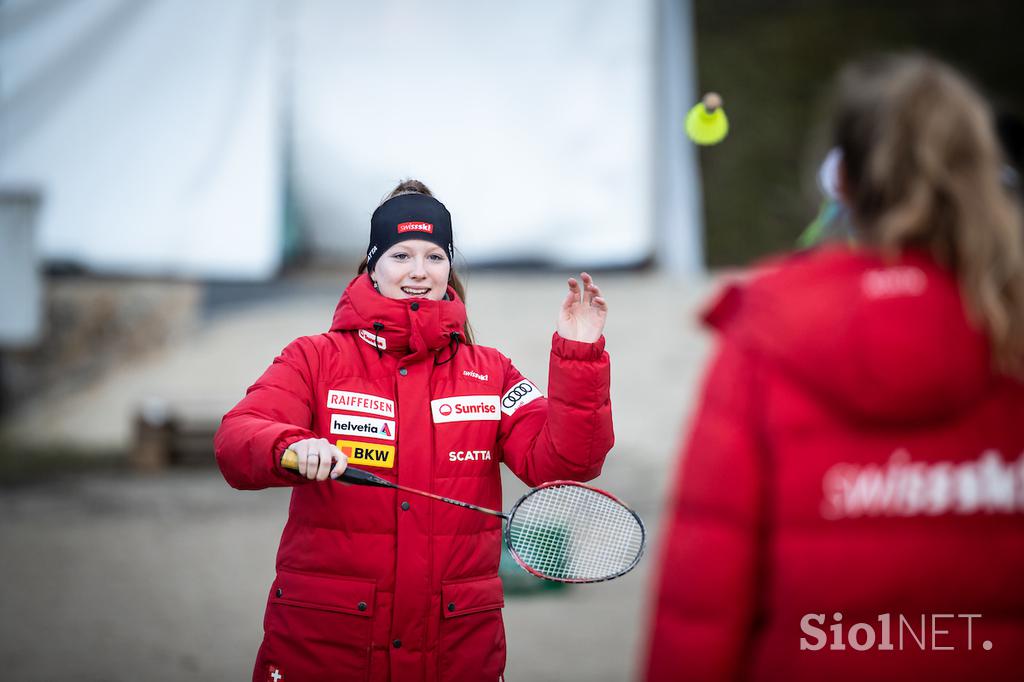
x,y
280,592
405,506
415,306
403,371
361,606
397,643
451,606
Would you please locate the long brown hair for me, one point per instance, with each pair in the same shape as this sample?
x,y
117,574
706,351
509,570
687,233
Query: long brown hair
x,y
922,168
411,186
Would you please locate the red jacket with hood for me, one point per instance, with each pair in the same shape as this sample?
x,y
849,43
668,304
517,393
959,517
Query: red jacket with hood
x,y
852,456
373,584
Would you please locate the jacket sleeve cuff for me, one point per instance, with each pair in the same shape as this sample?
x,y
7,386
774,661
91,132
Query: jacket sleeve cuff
x,y
576,350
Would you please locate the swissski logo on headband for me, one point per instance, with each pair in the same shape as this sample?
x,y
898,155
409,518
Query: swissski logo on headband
x,y
415,227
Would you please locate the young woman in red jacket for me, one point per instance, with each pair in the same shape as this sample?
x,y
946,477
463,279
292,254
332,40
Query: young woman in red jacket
x,y
377,585
850,503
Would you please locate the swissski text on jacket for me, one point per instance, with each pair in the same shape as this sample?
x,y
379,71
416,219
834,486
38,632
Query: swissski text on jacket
x,y
854,455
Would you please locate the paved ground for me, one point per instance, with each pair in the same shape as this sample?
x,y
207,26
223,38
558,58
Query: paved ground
x,y
120,576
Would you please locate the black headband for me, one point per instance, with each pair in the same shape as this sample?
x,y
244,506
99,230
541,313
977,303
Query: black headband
x,y
409,216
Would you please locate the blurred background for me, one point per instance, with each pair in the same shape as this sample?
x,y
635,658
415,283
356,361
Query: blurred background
x,y
186,186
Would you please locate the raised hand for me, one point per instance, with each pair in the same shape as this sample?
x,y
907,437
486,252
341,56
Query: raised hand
x,y
583,311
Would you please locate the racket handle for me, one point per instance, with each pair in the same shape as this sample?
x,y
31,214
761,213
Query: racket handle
x,y
360,477
290,460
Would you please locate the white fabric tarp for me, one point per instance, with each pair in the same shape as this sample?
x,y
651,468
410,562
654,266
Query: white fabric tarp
x,y
150,128
161,133
531,121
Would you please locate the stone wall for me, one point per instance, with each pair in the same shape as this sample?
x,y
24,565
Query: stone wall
x,y
91,324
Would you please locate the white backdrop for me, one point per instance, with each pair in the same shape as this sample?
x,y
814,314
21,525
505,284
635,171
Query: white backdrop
x,y
160,132
530,120
151,130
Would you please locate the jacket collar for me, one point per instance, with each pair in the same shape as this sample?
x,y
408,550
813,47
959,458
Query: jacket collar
x,y
885,338
393,325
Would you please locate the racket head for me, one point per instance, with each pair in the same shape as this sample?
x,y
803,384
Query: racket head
x,y
571,532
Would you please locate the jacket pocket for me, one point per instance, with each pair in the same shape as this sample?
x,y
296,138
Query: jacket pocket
x,y
472,634
318,627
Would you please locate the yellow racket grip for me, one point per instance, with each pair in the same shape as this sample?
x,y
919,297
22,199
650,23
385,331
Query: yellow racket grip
x,y
290,460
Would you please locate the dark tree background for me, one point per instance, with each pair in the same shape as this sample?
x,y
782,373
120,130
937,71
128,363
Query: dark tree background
x,y
774,63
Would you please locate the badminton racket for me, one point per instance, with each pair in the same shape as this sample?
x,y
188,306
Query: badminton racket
x,y
563,530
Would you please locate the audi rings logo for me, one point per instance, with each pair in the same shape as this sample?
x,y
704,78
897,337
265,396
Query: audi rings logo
x,y
445,409
516,394
519,395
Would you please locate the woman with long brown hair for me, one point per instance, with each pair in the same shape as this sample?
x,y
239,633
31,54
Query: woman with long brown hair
x,y
850,502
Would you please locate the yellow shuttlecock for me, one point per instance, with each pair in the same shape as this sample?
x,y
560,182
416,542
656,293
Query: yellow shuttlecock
x,y
706,123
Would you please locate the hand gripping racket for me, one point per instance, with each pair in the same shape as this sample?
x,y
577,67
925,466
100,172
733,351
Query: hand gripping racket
x,y
562,531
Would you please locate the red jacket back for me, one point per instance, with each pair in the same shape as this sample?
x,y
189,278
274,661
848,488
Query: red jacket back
x,y
850,500
373,584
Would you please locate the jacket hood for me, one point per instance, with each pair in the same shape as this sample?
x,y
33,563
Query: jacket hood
x,y
402,326
883,340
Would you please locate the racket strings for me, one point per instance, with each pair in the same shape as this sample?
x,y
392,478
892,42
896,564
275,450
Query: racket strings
x,y
575,533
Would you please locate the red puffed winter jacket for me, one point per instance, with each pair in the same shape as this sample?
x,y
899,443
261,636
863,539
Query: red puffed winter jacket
x,y
378,585
850,504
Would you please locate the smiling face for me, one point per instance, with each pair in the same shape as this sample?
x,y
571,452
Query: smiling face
x,y
413,268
